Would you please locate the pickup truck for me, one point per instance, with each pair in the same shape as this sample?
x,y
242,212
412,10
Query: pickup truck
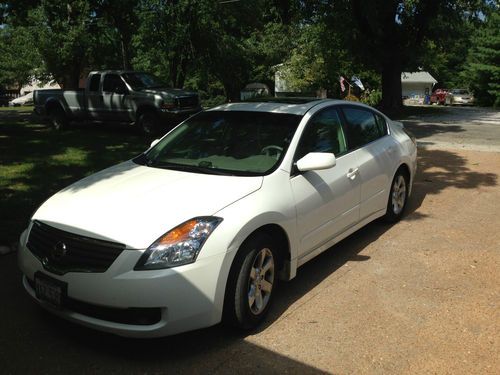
x,y
439,96
121,97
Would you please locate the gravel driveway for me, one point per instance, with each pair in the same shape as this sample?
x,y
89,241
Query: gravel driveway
x,y
470,128
421,296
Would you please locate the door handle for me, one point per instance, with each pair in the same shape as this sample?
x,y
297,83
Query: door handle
x,y
352,173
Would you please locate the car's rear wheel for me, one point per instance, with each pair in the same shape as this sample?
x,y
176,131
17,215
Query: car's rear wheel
x,y
398,197
58,119
252,282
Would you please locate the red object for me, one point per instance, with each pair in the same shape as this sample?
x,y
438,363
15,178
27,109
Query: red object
x,y
439,96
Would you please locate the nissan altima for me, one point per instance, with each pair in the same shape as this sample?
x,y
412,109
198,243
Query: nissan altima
x,y
200,227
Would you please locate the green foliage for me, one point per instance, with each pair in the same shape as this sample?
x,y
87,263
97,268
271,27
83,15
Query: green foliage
x,y
306,69
218,47
371,97
482,71
19,58
62,37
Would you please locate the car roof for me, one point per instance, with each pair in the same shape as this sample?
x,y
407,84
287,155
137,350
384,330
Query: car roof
x,y
294,106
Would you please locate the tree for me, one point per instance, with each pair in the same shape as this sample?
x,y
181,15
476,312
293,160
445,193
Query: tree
x,y
19,58
392,36
122,17
482,71
69,36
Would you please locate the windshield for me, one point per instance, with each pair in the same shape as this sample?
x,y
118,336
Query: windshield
x,y
225,142
460,92
141,81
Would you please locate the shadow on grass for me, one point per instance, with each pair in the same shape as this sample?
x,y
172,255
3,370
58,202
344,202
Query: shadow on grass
x,y
36,162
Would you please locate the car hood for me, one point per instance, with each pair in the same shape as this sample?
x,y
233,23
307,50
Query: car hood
x,y
134,204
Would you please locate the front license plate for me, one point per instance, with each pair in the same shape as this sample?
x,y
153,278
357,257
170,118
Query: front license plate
x,y
50,290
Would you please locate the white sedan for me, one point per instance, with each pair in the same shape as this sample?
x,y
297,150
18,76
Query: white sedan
x,y
198,228
26,99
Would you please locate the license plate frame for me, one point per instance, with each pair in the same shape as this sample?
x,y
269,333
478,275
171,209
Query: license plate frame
x,y
50,291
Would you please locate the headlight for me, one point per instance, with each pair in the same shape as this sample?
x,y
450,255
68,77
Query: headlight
x,y
178,246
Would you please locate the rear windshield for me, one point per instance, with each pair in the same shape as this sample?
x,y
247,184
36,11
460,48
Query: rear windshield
x,y
225,142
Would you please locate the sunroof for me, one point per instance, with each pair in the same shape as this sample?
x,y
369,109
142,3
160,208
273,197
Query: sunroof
x,y
284,100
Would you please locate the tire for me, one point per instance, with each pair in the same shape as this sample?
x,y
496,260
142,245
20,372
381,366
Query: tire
x,y
58,119
149,123
398,197
252,282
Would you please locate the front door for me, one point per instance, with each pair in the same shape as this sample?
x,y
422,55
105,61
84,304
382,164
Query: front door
x,y
327,201
115,97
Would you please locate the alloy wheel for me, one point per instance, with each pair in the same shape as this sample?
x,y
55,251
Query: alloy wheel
x,y
398,194
261,280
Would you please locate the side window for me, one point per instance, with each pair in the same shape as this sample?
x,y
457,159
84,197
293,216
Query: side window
x,y
362,126
94,82
323,133
113,83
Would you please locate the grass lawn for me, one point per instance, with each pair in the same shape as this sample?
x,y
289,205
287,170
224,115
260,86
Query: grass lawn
x,y
36,162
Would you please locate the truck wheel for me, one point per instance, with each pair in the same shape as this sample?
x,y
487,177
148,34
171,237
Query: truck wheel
x,y
149,123
58,119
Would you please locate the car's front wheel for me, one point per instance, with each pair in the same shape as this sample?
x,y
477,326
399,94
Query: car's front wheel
x,y
398,197
149,123
252,282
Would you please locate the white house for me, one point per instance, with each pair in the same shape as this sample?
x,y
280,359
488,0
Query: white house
x,y
417,84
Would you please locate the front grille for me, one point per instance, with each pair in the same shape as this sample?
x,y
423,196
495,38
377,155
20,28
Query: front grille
x,y
131,315
187,102
61,251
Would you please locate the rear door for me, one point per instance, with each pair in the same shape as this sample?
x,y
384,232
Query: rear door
x,y
95,105
374,149
327,201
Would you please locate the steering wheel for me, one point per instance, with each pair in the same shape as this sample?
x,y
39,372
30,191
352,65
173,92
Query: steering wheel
x,y
272,150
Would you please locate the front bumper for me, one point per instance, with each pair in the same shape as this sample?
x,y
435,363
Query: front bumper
x,y
186,297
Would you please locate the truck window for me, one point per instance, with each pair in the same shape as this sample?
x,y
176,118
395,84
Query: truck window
x,y
94,82
113,83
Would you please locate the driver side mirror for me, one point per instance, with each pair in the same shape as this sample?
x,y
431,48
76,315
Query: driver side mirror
x,y
316,161
154,143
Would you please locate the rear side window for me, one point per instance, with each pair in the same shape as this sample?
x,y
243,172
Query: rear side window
x,y
94,82
363,127
323,133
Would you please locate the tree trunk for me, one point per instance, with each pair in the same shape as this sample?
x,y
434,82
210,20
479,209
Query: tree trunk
x,y
125,54
232,90
391,84
71,78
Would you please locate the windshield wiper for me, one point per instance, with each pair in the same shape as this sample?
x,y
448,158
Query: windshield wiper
x,y
189,168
